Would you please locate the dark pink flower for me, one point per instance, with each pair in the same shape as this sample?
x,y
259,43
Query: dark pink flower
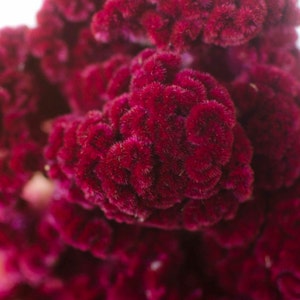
x,y
269,260
268,107
91,87
176,23
75,11
149,112
275,47
94,235
13,48
29,247
167,147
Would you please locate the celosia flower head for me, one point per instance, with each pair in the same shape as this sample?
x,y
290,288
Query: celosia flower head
x,y
149,151
162,149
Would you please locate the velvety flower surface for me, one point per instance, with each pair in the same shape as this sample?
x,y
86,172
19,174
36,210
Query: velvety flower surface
x,y
276,46
91,87
270,261
166,153
178,23
149,150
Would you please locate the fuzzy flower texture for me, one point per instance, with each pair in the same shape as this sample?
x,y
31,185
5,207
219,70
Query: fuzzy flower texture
x,y
150,150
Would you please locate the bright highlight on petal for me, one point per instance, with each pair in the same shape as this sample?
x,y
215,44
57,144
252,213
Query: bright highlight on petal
x,y
19,12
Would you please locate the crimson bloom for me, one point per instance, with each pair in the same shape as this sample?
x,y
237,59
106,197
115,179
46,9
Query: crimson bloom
x,y
164,154
149,151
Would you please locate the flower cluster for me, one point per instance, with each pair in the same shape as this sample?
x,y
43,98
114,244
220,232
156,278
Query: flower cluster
x,y
149,151
165,153
180,23
271,264
268,104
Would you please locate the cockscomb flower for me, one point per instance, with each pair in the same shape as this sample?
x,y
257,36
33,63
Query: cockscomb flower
x,y
74,276
13,48
29,247
18,95
91,87
268,108
98,235
270,261
155,277
57,31
124,248
167,154
75,11
276,47
46,43
80,276
249,218
175,23
149,151
63,44
124,273
276,249
20,152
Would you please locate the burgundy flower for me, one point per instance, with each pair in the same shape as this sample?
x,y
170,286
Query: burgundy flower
x,y
275,47
78,10
155,277
91,87
94,236
169,146
29,247
284,11
47,44
75,276
175,23
235,23
149,112
270,260
249,220
20,145
124,248
13,48
268,104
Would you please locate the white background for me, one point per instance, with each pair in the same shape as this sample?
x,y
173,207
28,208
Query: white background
x,y
18,12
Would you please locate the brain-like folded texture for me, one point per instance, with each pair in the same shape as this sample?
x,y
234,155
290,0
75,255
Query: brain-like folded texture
x,y
180,23
169,153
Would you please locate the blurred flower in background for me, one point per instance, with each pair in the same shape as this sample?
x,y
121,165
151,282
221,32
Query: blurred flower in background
x,y
148,143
